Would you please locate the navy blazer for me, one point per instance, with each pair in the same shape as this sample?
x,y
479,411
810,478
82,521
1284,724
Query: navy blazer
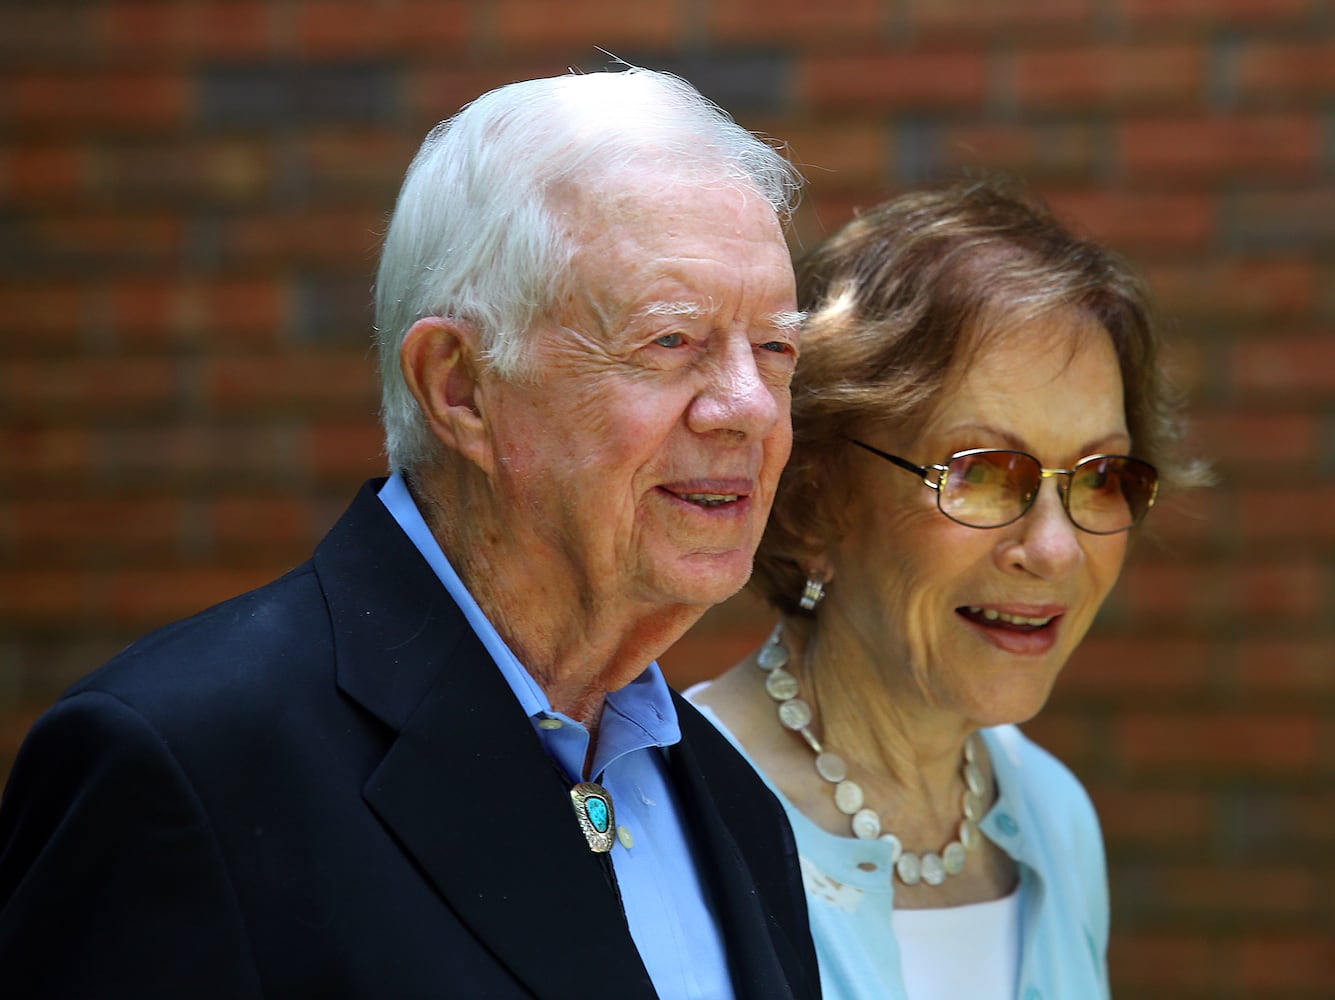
x,y
324,788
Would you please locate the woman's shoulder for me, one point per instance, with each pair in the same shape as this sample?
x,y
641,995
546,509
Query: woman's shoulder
x,y
1045,787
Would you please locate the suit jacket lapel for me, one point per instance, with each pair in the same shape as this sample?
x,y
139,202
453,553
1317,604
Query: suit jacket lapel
x,y
761,906
466,787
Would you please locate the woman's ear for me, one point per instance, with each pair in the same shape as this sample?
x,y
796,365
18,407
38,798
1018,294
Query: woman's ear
x,y
439,362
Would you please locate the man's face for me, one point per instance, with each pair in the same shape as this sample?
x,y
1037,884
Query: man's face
x,y
639,463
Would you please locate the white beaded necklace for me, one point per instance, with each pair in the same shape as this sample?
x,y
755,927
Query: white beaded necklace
x,y
930,868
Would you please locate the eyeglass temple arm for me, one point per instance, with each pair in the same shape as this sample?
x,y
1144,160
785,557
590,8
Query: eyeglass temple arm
x,y
906,465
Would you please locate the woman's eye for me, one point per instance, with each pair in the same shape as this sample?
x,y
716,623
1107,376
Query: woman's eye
x,y
670,340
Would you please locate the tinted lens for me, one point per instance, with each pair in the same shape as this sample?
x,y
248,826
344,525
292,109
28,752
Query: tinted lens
x,y
986,489
1110,493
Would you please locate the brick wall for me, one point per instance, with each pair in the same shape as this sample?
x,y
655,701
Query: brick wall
x,y
190,192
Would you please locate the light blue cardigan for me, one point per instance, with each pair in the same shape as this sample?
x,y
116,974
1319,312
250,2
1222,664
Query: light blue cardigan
x,y
1042,818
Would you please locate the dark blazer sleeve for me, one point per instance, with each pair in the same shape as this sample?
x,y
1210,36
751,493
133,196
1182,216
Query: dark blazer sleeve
x,y
111,882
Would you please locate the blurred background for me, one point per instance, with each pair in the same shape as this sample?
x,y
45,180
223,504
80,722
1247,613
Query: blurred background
x,y
191,193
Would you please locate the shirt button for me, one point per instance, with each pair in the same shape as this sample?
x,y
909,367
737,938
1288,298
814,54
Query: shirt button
x,y
1010,828
550,723
623,835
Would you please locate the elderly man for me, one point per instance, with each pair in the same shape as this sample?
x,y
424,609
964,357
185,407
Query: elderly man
x,y
437,760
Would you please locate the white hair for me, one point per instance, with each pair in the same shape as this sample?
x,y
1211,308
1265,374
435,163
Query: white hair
x,y
472,236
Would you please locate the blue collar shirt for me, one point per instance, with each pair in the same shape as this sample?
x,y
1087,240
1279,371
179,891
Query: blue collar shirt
x,y
670,920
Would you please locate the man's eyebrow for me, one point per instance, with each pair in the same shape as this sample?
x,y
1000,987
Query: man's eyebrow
x,y
687,310
788,321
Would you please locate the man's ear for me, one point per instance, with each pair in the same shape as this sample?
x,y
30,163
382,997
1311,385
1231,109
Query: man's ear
x,y
439,361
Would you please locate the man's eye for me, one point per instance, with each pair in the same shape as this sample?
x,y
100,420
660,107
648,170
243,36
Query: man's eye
x,y
670,340
777,346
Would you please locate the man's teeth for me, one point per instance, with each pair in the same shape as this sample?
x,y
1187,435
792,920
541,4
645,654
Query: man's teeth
x,y
710,499
993,616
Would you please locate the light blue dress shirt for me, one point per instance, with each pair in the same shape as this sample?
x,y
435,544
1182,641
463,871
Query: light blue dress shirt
x,y
670,919
1042,819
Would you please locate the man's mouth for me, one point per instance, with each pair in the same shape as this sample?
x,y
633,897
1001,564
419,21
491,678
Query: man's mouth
x,y
1000,619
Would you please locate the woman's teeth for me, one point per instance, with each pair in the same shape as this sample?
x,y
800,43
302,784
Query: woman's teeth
x,y
709,499
993,616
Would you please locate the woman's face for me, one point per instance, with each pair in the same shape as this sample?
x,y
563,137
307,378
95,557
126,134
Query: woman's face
x,y
971,624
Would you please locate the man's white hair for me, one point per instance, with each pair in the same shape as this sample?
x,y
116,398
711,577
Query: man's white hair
x,y
473,236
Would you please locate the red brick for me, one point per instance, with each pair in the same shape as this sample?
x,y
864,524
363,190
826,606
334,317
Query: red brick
x,y
124,100
1072,736
180,455
345,451
1214,12
50,34
1131,668
56,528
1233,290
88,387
104,238
350,162
47,172
1265,440
339,28
1063,149
1150,222
1184,893
794,21
232,170
1286,364
41,317
326,236
892,81
1182,522
611,23
1293,591
1302,514
1252,147
1176,963
1286,665
1152,590
1270,744
956,18
1173,820
305,384
275,523
1292,71
145,599
228,314
436,92
44,597
1111,76
1270,963
236,28
1299,216
35,454
151,29
145,27
848,155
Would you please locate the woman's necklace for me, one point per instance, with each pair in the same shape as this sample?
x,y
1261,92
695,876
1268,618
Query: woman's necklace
x,y
912,868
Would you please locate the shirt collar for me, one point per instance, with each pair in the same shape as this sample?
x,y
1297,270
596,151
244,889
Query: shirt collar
x,y
638,715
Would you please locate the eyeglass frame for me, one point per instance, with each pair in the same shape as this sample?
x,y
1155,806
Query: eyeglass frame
x,y
1043,473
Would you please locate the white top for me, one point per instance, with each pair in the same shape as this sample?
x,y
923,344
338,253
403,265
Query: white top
x,y
931,961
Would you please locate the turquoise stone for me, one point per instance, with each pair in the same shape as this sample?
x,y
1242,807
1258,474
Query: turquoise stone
x,y
596,809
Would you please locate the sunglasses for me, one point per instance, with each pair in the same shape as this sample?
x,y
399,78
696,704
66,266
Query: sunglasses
x,y
993,487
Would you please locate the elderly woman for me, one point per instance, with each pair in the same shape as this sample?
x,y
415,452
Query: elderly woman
x,y
979,422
